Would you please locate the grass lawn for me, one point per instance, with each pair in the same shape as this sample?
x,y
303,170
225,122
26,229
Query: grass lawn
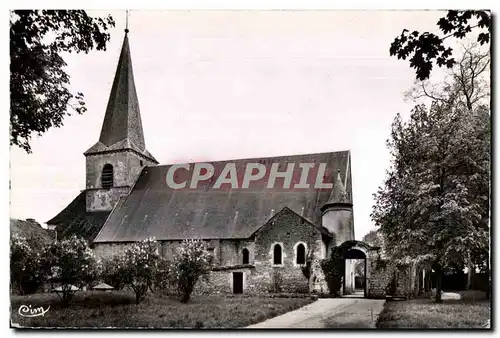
x,y
472,311
118,310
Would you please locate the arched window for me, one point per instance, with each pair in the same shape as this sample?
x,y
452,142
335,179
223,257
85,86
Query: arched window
x,y
300,257
107,176
246,256
277,260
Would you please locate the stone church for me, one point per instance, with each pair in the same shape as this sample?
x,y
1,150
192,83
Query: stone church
x,y
259,237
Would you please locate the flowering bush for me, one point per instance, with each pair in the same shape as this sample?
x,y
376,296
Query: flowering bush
x,y
27,266
191,262
72,262
138,267
113,271
166,276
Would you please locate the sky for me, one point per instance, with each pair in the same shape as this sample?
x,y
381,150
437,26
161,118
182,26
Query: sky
x,y
220,85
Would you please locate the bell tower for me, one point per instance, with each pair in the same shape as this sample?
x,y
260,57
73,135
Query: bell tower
x,y
115,161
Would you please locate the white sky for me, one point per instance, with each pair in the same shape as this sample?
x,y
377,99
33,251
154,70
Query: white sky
x,y
221,85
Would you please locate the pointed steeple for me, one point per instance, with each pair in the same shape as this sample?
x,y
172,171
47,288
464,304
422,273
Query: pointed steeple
x,y
123,118
122,126
338,195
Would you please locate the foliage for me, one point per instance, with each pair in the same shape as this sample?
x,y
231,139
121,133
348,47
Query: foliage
x,y
27,266
165,277
434,203
39,92
360,268
138,267
374,238
334,269
191,262
71,262
467,84
113,271
393,284
423,49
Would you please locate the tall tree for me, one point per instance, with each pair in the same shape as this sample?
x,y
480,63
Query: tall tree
x,y
434,204
467,84
39,94
374,238
423,49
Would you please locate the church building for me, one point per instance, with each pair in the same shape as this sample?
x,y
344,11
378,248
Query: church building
x,y
260,236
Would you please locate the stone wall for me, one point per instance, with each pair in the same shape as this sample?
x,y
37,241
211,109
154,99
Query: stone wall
x,y
126,169
380,277
104,199
286,229
221,282
108,250
261,275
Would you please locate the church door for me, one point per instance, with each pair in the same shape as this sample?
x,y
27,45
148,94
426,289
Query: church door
x,y
237,282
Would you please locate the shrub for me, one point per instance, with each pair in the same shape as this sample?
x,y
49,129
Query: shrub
x,y
113,271
71,262
191,262
27,266
333,269
165,277
138,267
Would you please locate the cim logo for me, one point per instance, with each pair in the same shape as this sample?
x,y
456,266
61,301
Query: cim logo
x,y
282,176
28,311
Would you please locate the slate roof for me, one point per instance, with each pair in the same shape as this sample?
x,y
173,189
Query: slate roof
x,y
338,195
287,210
153,209
122,126
75,220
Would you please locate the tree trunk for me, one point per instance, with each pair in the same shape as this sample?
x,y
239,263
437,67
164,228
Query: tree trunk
x,y
470,268
439,279
488,281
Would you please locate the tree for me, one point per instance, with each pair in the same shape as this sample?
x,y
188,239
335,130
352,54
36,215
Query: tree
x,y
467,83
434,204
39,94
72,263
27,266
191,262
165,278
113,271
138,267
374,238
426,48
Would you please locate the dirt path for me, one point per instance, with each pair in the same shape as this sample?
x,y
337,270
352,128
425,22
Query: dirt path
x,y
329,313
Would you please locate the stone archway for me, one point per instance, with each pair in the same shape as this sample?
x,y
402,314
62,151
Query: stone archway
x,y
352,258
357,250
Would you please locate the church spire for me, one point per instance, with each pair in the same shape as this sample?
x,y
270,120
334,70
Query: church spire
x,y
122,126
123,119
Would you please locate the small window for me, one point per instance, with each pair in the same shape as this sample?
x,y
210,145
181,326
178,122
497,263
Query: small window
x,y
301,254
142,163
277,259
246,256
107,180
